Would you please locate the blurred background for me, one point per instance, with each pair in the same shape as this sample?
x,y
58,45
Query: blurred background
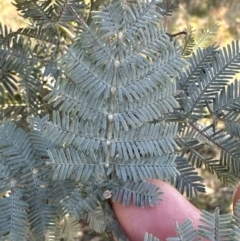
x,y
198,14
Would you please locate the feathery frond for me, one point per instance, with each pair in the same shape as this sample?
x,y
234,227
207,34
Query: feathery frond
x,y
206,35
142,193
40,144
13,215
213,79
127,105
60,190
155,167
96,219
70,228
150,237
16,149
215,226
13,58
83,199
139,15
197,63
110,19
188,43
185,232
226,104
77,166
42,216
46,13
187,181
201,39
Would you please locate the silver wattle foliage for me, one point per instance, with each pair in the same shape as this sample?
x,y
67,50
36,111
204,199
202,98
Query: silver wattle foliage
x,y
127,108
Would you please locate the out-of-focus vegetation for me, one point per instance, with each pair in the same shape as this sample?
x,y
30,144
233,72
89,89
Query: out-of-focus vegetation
x,y
9,15
198,14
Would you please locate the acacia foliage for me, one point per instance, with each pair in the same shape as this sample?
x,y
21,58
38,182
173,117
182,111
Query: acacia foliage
x,y
126,104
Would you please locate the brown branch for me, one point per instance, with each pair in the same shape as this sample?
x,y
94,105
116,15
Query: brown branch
x,y
176,34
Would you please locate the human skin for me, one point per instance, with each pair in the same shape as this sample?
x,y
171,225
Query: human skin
x,y
159,221
236,195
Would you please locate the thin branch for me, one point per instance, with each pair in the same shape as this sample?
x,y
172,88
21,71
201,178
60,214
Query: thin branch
x,y
207,137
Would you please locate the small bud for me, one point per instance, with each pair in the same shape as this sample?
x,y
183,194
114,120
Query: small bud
x,y
35,171
107,194
113,90
116,63
120,35
110,117
108,143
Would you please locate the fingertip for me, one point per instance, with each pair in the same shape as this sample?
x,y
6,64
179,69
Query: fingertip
x,y
160,220
236,195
